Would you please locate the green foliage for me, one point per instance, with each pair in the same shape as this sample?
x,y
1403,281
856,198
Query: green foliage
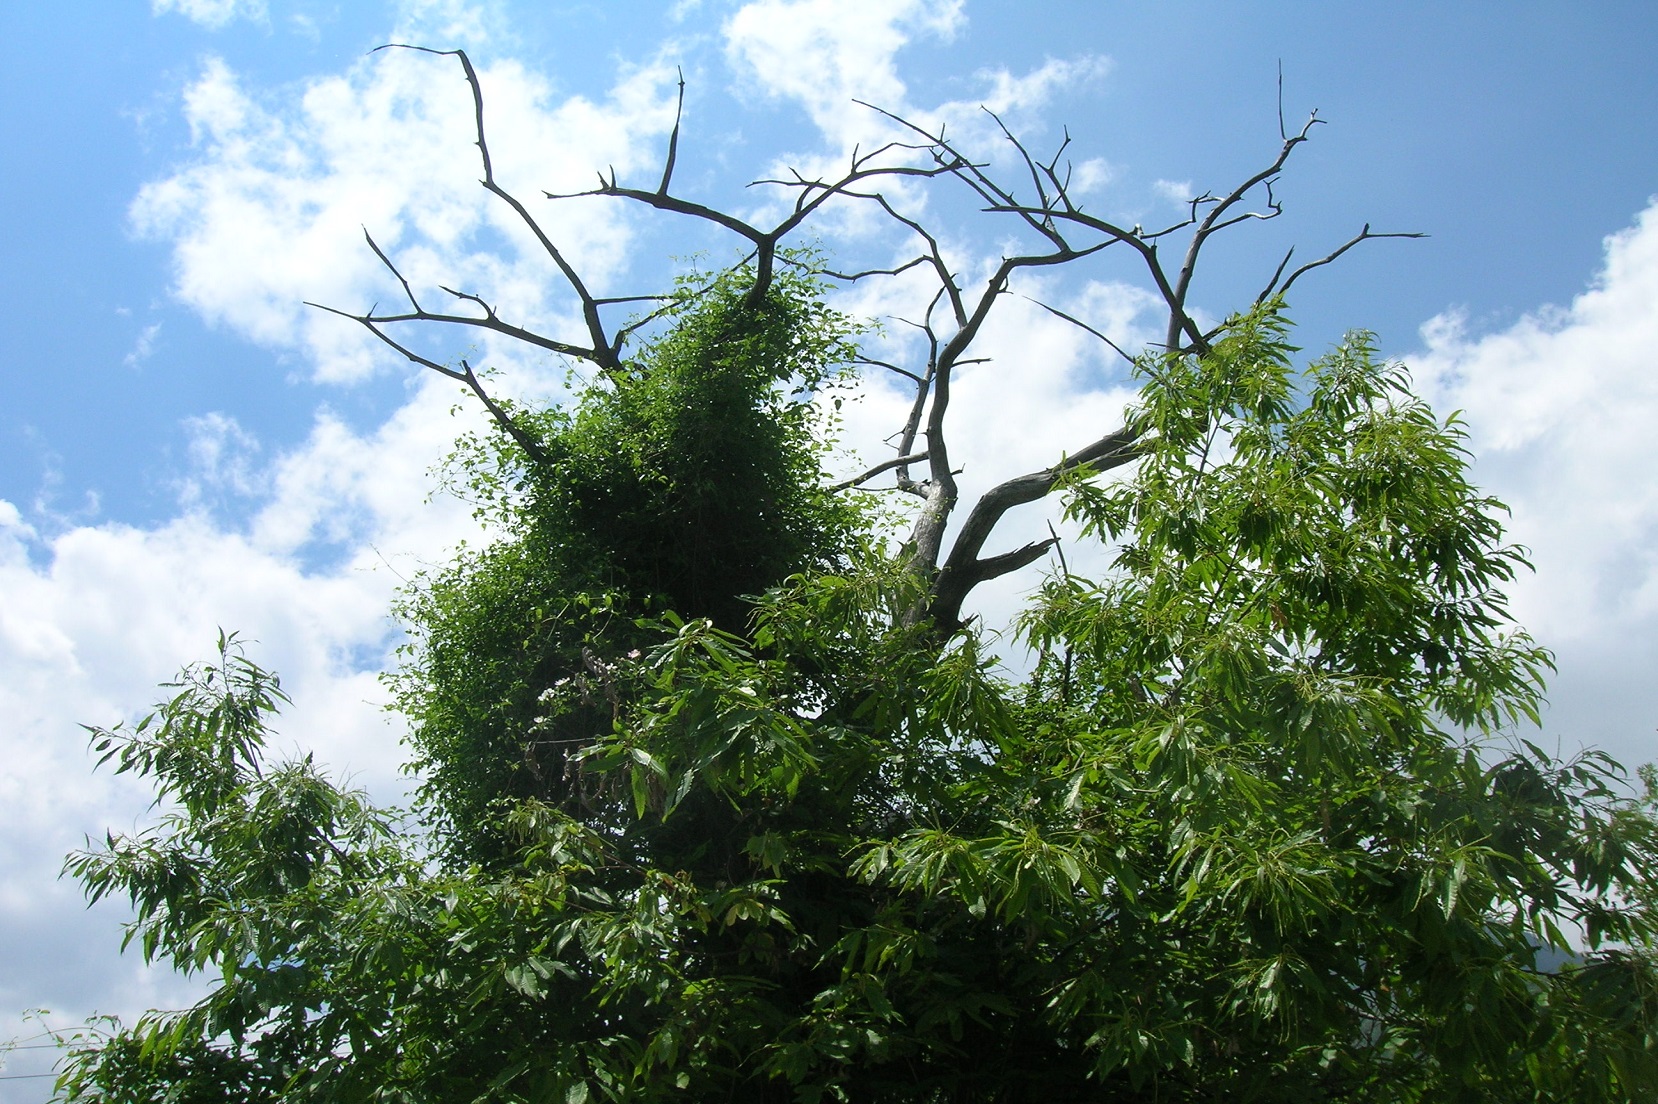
x,y
691,482
1256,825
262,874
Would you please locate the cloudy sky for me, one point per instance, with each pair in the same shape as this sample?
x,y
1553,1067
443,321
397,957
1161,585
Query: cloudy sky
x,y
184,445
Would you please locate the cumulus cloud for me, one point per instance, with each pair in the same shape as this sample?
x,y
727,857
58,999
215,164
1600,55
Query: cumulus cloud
x,y
1560,409
465,23
95,615
1017,97
1175,191
1091,175
271,210
213,14
223,457
826,54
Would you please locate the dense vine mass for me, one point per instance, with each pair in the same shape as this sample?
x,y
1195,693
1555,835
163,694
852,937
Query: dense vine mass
x,y
723,799
686,482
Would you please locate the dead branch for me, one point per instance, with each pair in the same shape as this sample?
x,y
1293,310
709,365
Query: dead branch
x,y
964,569
673,137
606,357
814,194
889,366
884,466
532,447
863,274
1211,224
1080,324
954,319
417,313
1273,287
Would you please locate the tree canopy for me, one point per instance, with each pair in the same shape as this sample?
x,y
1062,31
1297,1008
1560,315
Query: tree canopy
x,y
725,798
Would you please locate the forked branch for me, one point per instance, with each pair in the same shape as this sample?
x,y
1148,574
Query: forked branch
x,y
1275,288
966,569
955,318
606,356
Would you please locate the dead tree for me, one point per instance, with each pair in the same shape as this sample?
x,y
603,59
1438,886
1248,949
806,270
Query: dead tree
x,y
1060,233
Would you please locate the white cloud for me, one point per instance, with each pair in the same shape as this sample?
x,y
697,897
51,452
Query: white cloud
x,y
143,347
96,615
271,211
1560,409
213,14
1006,93
826,53
1175,191
222,457
1091,175
449,23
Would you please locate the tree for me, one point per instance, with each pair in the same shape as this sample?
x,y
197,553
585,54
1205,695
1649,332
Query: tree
x,y
725,798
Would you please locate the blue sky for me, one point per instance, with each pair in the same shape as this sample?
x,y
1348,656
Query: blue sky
x,y
183,446
1511,132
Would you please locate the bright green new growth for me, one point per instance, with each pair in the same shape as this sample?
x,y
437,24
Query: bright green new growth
x,y
1251,829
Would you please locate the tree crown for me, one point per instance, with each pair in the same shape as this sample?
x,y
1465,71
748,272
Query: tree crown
x,y
725,797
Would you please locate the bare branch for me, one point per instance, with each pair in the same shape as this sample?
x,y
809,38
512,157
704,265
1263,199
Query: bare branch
x,y
905,372
884,466
1062,188
489,311
1362,236
1118,349
1181,322
814,194
994,567
615,300
941,491
1283,133
602,350
1040,219
1030,164
488,322
1128,235
946,278
378,252
853,277
532,447
1059,550
964,569
1277,274
673,138
664,202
